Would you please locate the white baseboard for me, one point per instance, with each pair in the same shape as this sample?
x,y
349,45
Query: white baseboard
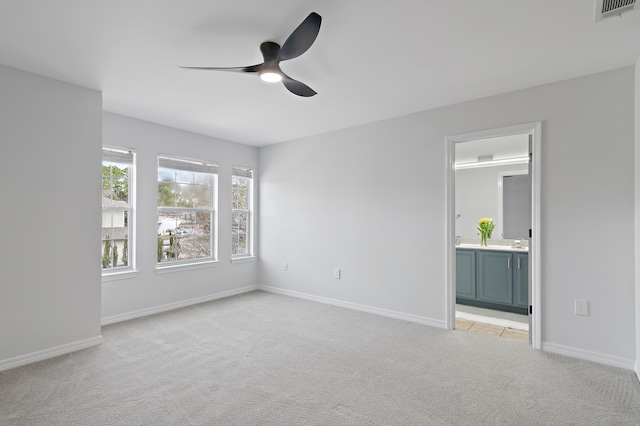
x,y
171,306
613,361
637,370
48,353
369,309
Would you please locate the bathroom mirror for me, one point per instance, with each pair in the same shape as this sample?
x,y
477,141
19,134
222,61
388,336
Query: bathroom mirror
x,y
492,180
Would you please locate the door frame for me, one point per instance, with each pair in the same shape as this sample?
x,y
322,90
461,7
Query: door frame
x,y
535,130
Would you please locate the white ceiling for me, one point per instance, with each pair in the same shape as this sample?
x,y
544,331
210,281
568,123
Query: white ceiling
x,y
373,59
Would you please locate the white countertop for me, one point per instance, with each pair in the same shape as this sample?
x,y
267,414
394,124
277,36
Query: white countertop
x,y
492,247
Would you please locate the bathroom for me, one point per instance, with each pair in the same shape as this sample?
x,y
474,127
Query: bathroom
x,y
492,181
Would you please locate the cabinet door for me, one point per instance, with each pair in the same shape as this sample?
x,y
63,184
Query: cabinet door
x,y
466,274
495,277
521,278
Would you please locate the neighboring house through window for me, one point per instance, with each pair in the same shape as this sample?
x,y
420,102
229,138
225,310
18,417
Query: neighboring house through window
x,y
117,208
186,215
241,208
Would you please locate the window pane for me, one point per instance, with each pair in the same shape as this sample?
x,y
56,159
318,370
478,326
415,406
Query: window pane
x,y
115,236
184,235
239,220
203,246
240,181
183,176
107,224
120,188
234,244
115,182
184,195
166,194
185,213
166,175
239,244
118,246
203,224
168,221
106,190
202,179
168,244
240,213
106,254
201,196
116,210
239,197
240,188
125,253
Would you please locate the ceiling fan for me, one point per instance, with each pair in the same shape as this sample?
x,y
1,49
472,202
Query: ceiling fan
x,y
298,42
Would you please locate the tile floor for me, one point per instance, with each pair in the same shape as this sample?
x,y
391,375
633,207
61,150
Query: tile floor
x,y
491,330
490,316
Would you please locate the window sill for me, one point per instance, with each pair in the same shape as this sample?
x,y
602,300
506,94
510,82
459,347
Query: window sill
x,y
243,259
167,269
116,276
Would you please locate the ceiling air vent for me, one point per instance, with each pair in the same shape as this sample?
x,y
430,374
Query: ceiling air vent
x,y
609,8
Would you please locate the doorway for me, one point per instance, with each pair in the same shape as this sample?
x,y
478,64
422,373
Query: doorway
x,y
532,131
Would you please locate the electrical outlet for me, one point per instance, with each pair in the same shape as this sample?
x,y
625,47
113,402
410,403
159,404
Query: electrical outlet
x,y
582,307
285,266
336,273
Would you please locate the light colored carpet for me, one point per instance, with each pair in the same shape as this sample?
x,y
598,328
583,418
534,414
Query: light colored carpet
x,y
265,359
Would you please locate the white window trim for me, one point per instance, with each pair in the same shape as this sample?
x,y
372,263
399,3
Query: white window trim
x,y
119,275
190,164
129,271
185,265
242,259
249,172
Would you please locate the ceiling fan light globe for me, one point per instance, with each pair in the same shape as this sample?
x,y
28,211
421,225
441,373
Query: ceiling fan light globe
x,y
271,76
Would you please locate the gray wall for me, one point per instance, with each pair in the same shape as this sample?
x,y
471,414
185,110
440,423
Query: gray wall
x,y
148,291
50,216
371,200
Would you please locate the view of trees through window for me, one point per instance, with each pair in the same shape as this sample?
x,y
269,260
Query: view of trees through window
x,y
185,214
240,213
116,211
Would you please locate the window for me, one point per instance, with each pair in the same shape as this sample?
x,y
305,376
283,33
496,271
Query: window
x,y
117,208
241,196
186,222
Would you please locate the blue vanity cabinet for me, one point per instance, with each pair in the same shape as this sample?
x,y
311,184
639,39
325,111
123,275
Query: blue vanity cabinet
x,y
466,273
521,279
495,277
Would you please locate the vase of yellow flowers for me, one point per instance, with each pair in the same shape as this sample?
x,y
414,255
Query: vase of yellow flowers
x,y
485,228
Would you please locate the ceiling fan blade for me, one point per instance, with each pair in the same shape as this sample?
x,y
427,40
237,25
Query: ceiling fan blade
x,y
297,87
301,38
251,68
269,50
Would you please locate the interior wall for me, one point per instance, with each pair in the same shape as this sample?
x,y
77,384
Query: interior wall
x,y
50,215
477,196
371,201
148,291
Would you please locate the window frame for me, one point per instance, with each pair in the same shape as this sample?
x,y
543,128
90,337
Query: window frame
x,y
189,165
246,172
122,155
